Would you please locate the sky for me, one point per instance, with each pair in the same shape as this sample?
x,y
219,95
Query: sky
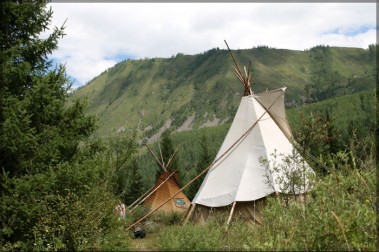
x,y
99,35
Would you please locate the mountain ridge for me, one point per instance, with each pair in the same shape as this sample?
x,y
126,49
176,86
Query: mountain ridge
x,y
187,92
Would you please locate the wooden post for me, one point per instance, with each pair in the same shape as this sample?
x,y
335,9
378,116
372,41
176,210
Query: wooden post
x,y
229,219
231,214
189,214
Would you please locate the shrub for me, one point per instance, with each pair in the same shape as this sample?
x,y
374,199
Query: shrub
x,y
338,214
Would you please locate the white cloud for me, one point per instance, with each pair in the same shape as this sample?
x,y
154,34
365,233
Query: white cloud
x,y
97,33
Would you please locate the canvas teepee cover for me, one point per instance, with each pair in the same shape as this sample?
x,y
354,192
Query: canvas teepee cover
x,y
179,203
239,176
166,187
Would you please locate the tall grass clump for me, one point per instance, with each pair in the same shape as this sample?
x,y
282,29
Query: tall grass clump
x,y
337,214
191,237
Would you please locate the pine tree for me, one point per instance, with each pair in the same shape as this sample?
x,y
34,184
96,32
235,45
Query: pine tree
x,y
37,130
40,185
168,151
136,187
204,161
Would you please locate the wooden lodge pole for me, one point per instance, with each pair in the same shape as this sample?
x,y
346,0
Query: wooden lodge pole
x,y
156,159
154,190
143,195
244,80
235,63
188,214
231,214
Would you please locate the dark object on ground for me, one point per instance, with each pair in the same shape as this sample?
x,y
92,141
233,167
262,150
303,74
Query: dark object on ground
x,y
139,234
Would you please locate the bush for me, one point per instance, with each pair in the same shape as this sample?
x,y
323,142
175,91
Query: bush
x,y
116,240
338,214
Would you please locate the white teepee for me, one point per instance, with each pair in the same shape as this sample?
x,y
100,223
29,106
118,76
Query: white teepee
x,y
258,132
251,163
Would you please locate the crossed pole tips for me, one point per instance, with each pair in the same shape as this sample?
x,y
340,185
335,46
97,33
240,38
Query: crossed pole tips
x,y
245,80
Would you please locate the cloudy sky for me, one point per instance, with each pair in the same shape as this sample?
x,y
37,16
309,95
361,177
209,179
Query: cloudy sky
x,y
101,34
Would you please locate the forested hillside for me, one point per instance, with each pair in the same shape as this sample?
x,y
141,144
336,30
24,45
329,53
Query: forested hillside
x,y
187,92
325,128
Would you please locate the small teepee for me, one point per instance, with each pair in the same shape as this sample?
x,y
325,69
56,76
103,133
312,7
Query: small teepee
x,y
166,186
238,180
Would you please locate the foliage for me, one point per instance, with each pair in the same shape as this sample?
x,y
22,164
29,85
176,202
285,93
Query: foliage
x,y
204,160
115,240
342,124
135,188
135,213
57,188
317,135
168,152
320,72
167,219
190,237
339,209
37,130
40,136
338,214
289,174
120,150
65,208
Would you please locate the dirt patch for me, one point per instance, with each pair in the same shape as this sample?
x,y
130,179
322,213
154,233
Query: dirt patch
x,y
214,122
157,135
187,125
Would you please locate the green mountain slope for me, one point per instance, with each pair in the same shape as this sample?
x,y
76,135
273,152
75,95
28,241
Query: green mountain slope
x,y
355,112
187,92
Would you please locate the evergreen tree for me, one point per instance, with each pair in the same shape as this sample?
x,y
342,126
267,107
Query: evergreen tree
x,y
37,131
324,82
122,148
168,151
136,187
318,136
204,161
45,185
